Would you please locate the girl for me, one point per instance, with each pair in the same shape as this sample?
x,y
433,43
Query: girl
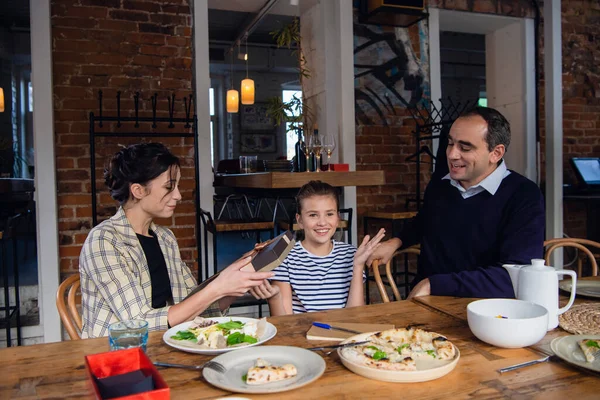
x,y
131,268
319,273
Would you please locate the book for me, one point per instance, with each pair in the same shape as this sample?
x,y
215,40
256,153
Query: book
x,y
316,333
266,256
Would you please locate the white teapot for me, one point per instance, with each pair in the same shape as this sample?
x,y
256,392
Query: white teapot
x,y
538,284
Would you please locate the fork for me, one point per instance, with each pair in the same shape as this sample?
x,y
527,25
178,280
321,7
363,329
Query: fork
x,y
525,364
209,364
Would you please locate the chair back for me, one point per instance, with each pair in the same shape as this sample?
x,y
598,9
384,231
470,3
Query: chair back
x,y
67,309
579,244
390,275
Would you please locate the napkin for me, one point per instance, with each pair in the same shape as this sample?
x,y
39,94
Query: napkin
x,y
316,333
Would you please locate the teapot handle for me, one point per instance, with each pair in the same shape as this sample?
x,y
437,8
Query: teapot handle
x,y
573,275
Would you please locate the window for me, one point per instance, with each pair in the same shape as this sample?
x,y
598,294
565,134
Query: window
x,y
30,96
291,136
213,120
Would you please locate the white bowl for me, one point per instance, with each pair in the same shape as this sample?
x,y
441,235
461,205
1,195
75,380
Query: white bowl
x,y
525,323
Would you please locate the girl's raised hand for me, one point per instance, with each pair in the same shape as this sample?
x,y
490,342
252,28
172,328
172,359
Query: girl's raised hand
x,y
367,247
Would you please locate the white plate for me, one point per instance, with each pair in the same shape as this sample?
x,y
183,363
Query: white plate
x,y
426,369
566,347
190,347
310,367
584,288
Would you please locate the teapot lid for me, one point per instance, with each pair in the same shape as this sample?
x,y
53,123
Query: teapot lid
x,y
538,264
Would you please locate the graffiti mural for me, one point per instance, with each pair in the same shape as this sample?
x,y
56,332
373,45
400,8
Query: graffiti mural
x,y
387,73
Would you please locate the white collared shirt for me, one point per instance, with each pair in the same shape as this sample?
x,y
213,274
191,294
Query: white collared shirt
x,y
491,183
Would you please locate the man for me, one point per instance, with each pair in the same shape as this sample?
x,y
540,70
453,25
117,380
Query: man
x,y
476,218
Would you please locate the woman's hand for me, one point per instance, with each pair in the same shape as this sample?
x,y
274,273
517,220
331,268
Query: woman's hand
x,y
265,290
232,281
367,248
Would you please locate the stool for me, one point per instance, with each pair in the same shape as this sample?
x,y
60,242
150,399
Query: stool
x,y
397,220
345,224
9,232
215,227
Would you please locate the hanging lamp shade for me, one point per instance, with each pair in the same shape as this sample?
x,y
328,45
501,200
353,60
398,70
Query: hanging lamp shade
x,y
247,91
233,102
1,100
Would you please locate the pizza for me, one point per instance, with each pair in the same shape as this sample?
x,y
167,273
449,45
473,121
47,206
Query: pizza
x,y
399,349
590,348
263,372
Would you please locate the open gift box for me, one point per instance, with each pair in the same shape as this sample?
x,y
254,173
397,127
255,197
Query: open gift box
x,y
116,374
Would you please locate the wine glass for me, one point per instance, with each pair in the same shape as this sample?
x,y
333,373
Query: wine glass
x,y
317,148
328,143
309,149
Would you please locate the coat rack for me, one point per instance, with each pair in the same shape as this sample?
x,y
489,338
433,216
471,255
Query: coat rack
x,y
432,122
189,121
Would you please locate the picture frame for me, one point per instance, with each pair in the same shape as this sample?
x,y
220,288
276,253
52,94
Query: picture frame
x,y
254,118
265,142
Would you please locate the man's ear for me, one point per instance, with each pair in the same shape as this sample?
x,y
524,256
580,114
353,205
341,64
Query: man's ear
x,y
137,191
497,153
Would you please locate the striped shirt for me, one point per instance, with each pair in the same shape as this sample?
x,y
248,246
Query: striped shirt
x,y
318,283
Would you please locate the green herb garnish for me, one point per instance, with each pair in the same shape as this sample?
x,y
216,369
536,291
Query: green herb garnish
x,y
238,337
373,348
379,355
431,353
185,335
245,377
231,325
592,343
402,347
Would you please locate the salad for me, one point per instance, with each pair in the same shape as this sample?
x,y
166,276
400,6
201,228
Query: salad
x,y
214,335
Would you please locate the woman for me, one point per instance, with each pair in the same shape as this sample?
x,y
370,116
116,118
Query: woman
x,y
131,268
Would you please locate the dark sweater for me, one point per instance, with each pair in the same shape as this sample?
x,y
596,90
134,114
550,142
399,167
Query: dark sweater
x,y
464,242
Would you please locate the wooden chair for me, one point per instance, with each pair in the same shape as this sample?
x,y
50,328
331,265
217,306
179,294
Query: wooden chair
x,y
390,275
580,244
69,315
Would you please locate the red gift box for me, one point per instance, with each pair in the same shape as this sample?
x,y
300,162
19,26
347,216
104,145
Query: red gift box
x,y
339,167
119,362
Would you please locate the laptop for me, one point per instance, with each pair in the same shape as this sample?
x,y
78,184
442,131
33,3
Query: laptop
x,y
587,170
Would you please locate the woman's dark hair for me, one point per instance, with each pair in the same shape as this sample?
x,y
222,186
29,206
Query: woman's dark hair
x,y
316,188
138,163
498,128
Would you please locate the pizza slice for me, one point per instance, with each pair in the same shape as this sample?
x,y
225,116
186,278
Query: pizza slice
x,y
263,372
590,348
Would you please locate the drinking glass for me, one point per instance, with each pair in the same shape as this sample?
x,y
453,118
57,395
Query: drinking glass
x,y
127,334
309,149
328,143
248,164
317,148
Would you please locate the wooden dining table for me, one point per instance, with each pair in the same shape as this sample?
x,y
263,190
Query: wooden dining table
x,y
56,370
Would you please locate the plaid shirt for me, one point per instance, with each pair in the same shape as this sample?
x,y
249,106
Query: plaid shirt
x,y
115,280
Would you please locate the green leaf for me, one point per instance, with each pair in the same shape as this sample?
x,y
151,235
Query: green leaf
x,y
245,377
379,355
373,348
185,335
431,353
592,343
235,338
231,325
402,347
249,339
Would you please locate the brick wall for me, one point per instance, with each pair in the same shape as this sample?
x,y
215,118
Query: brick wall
x,y
116,45
581,108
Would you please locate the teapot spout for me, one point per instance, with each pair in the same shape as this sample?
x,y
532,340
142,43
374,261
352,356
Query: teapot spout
x,y
513,272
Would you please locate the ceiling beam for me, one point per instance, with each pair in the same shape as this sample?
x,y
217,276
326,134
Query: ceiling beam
x,y
249,28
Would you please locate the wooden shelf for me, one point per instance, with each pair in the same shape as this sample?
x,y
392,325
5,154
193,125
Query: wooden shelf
x,y
289,180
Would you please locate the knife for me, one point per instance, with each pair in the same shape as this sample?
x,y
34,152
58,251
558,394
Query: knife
x,y
331,327
338,346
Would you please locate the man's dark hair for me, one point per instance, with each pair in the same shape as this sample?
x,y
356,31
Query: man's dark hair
x,y
498,131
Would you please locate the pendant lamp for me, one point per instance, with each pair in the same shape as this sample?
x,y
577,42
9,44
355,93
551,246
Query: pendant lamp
x,y
1,100
233,102
247,84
